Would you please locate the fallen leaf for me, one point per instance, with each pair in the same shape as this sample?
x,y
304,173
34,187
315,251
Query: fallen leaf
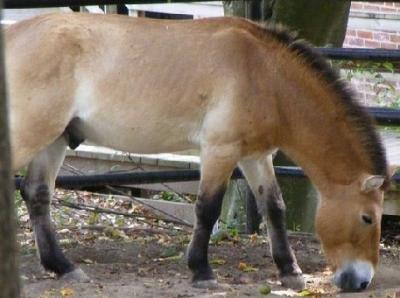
x,y
254,238
311,292
247,268
172,258
87,261
218,262
67,292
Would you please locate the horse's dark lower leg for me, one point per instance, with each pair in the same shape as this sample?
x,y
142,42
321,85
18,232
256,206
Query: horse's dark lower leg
x,y
208,208
275,210
261,178
38,203
216,168
36,191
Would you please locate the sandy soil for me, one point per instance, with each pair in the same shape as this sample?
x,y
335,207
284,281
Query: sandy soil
x,y
154,266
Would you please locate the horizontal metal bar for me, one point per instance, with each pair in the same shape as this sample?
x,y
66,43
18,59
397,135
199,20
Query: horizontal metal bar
x,y
360,54
134,178
385,115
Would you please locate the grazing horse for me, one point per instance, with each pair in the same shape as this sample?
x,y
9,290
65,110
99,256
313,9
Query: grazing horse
x,y
236,90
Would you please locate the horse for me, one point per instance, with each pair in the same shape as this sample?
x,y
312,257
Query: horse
x,y
236,90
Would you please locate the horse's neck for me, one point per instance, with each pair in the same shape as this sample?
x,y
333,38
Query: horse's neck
x,y
320,137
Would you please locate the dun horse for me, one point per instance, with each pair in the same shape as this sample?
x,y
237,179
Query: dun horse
x,y
234,89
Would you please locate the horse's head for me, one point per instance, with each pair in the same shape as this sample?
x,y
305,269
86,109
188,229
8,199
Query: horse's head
x,y
348,223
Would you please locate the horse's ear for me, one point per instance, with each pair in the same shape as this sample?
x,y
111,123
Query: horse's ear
x,y
372,183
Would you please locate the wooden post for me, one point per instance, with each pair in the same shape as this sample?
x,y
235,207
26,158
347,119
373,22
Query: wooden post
x,y
9,277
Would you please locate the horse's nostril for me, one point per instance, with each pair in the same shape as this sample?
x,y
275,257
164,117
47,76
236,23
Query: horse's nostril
x,y
364,285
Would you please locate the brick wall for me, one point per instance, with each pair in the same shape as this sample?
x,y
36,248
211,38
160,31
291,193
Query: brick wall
x,y
358,38
376,7
370,89
361,38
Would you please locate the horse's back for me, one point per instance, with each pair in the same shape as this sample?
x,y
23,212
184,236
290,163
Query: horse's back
x,y
170,80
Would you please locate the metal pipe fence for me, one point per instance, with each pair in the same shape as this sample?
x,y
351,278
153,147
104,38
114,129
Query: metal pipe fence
x,y
153,177
148,177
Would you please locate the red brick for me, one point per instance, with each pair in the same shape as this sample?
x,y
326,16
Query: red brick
x,y
395,38
356,5
371,7
381,36
364,34
388,9
390,4
388,45
356,42
372,44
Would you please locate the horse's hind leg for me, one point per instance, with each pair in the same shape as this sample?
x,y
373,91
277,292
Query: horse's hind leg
x,y
36,190
215,172
261,177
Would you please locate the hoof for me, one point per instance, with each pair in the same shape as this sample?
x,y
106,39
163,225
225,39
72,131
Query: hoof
x,y
210,284
295,282
76,275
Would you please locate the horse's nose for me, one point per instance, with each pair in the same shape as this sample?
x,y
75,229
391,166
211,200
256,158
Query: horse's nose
x,y
364,285
349,281
354,276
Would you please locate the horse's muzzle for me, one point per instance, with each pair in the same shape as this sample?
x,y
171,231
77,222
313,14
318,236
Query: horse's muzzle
x,y
354,276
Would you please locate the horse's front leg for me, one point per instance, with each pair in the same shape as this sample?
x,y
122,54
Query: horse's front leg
x,y
36,190
261,177
215,172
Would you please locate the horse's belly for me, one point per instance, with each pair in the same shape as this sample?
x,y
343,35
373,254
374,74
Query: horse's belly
x,y
141,137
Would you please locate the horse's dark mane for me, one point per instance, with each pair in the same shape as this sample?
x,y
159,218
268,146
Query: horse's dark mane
x,y
355,112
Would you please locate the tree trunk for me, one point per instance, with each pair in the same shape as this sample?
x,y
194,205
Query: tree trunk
x,y
320,22
259,10
9,277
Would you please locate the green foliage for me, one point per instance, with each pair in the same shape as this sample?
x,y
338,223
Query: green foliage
x,y
120,221
264,289
94,218
296,227
114,233
233,232
372,72
19,201
169,196
225,233
22,172
169,251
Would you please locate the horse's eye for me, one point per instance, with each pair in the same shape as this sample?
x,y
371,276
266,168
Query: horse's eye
x,y
367,219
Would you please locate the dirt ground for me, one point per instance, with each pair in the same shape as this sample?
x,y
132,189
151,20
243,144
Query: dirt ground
x,y
154,266
127,252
